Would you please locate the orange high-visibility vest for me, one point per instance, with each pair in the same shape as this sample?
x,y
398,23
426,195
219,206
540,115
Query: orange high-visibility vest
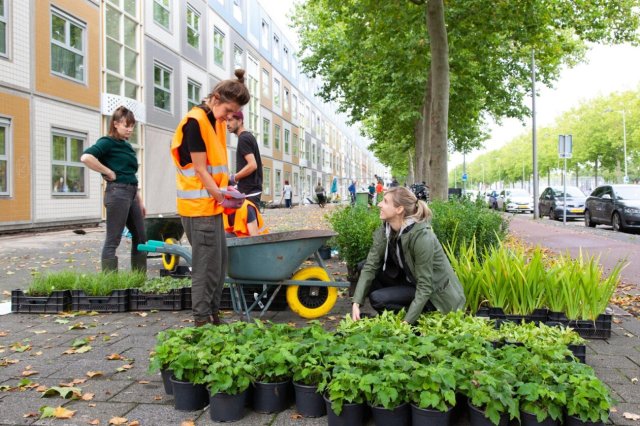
x,y
193,199
239,226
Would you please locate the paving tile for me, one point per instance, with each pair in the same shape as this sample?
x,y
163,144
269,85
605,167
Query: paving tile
x,y
617,361
103,389
14,406
630,393
618,419
612,375
158,414
88,411
148,393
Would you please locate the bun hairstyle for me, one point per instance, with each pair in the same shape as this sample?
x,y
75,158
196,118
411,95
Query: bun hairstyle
x,y
232,90
413,208
120,113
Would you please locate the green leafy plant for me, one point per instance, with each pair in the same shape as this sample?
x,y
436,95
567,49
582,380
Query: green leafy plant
x,y
433,386
230,371
274,359
161,285
45,284
587,397
355,226
385,383
311,352
342,384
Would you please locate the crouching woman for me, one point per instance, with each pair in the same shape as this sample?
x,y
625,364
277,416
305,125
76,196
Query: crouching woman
x,y
406,267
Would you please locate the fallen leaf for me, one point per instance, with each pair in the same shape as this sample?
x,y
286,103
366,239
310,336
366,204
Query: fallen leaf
x,y
134,423
187,423
6,361
634,380
88,396
94,422
295,416
63,413
41,388
124,368
27,373
39,331
629,335
63,392
31,414
144,382
19,347
157,398
142,314
117,421
78,326
3,334
92,374
631,416
38,353
83,349
115,357
6,293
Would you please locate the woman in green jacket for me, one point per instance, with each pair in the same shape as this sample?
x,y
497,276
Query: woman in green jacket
x,y
406,267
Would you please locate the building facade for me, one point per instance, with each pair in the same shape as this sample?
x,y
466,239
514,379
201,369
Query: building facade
x,y
80,59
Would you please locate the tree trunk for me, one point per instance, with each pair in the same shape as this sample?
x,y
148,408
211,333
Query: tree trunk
x,y
438,119
411,176
596,173
422,148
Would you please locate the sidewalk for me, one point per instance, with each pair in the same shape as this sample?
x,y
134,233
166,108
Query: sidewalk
x,y
134,394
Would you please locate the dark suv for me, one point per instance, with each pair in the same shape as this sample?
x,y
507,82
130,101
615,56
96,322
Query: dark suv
x,y
615,205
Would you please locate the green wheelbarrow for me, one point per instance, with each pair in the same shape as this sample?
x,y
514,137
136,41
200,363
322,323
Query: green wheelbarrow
x,y
273,260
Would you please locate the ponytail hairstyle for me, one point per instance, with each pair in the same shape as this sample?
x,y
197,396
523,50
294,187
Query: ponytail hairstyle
x,y
413,208
232,90
120,113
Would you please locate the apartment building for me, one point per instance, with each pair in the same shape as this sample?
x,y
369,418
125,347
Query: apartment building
x,y
61,79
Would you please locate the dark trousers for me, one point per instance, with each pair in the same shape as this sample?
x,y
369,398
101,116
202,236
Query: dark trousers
x,y
123,208
208,265
393,294
287,203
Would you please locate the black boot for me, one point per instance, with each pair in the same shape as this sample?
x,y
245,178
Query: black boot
x,y
139,262
110,265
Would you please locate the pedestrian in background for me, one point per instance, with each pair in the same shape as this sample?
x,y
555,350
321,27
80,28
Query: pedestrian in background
x,y
372,192
248,176
287,194
199,152
114,158
379,189
352,191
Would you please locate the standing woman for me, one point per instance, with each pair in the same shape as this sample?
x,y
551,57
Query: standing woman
x,y
114,158
287,194
199,152
406,267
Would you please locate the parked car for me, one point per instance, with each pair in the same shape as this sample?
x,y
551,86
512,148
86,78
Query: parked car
x,y
615,205
492,198
471,194
551,203
515,200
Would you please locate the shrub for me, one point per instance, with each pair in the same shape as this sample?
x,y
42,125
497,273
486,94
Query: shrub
x,y
458,221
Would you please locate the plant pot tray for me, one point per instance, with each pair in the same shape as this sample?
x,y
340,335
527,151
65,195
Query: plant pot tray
x,y
117,301
598,329
181,271
580,352
171,301
58,301
538,316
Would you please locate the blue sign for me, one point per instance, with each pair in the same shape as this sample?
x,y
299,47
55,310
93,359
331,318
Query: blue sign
x,y
464,177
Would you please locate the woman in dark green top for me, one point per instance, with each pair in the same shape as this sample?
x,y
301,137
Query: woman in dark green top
x,y
114,158
406,267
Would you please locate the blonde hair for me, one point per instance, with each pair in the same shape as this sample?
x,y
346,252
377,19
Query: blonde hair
x,y
413,208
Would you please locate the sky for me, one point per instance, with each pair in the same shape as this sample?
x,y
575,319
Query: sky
x,y
606,69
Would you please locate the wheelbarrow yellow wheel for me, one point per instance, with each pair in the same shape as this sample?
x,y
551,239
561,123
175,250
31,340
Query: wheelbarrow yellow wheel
x,y
308,301
170,261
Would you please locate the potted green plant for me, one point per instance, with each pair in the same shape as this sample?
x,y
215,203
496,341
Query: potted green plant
x,y
385,387
159,293
342,395
432,393
588,399
355,226
541,390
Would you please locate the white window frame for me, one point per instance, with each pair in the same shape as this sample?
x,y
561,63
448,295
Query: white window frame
x,y
285,99
68,135
276,92
287,141
193,99
66,45
237,10
266,132
264,34
266,180
295,145
265,83
165,5
278,182
164,69
253,83
218,45
285,58
193,25
276,47
238,56
294,101
6,125
277,131
124,48
4,13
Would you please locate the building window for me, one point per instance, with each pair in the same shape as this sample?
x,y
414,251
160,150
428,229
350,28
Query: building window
x,y
296,183
5,156
67,174
161,87
266,132
295,145
265,83
285,58
286,99
276,92
237,10
276,137
265,34
253,73
67,46
287,136
193,94
276,48
218,47
295,107
193,28
162,13
121,53
3,29
266,180
238,57
278,182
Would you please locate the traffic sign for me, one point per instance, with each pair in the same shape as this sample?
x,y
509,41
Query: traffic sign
x,y
464,177
565,146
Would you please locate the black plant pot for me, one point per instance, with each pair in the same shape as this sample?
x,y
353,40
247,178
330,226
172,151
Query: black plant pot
x,y
227,408
271,397
309,402
430,417
460,409
351,415
166,381
399,416
528,419
187,396
477,417
575,421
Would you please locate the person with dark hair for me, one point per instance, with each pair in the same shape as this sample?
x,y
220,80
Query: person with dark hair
x,y
352,192
320,194
199,152
287,194
114,158
248,174
406,267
